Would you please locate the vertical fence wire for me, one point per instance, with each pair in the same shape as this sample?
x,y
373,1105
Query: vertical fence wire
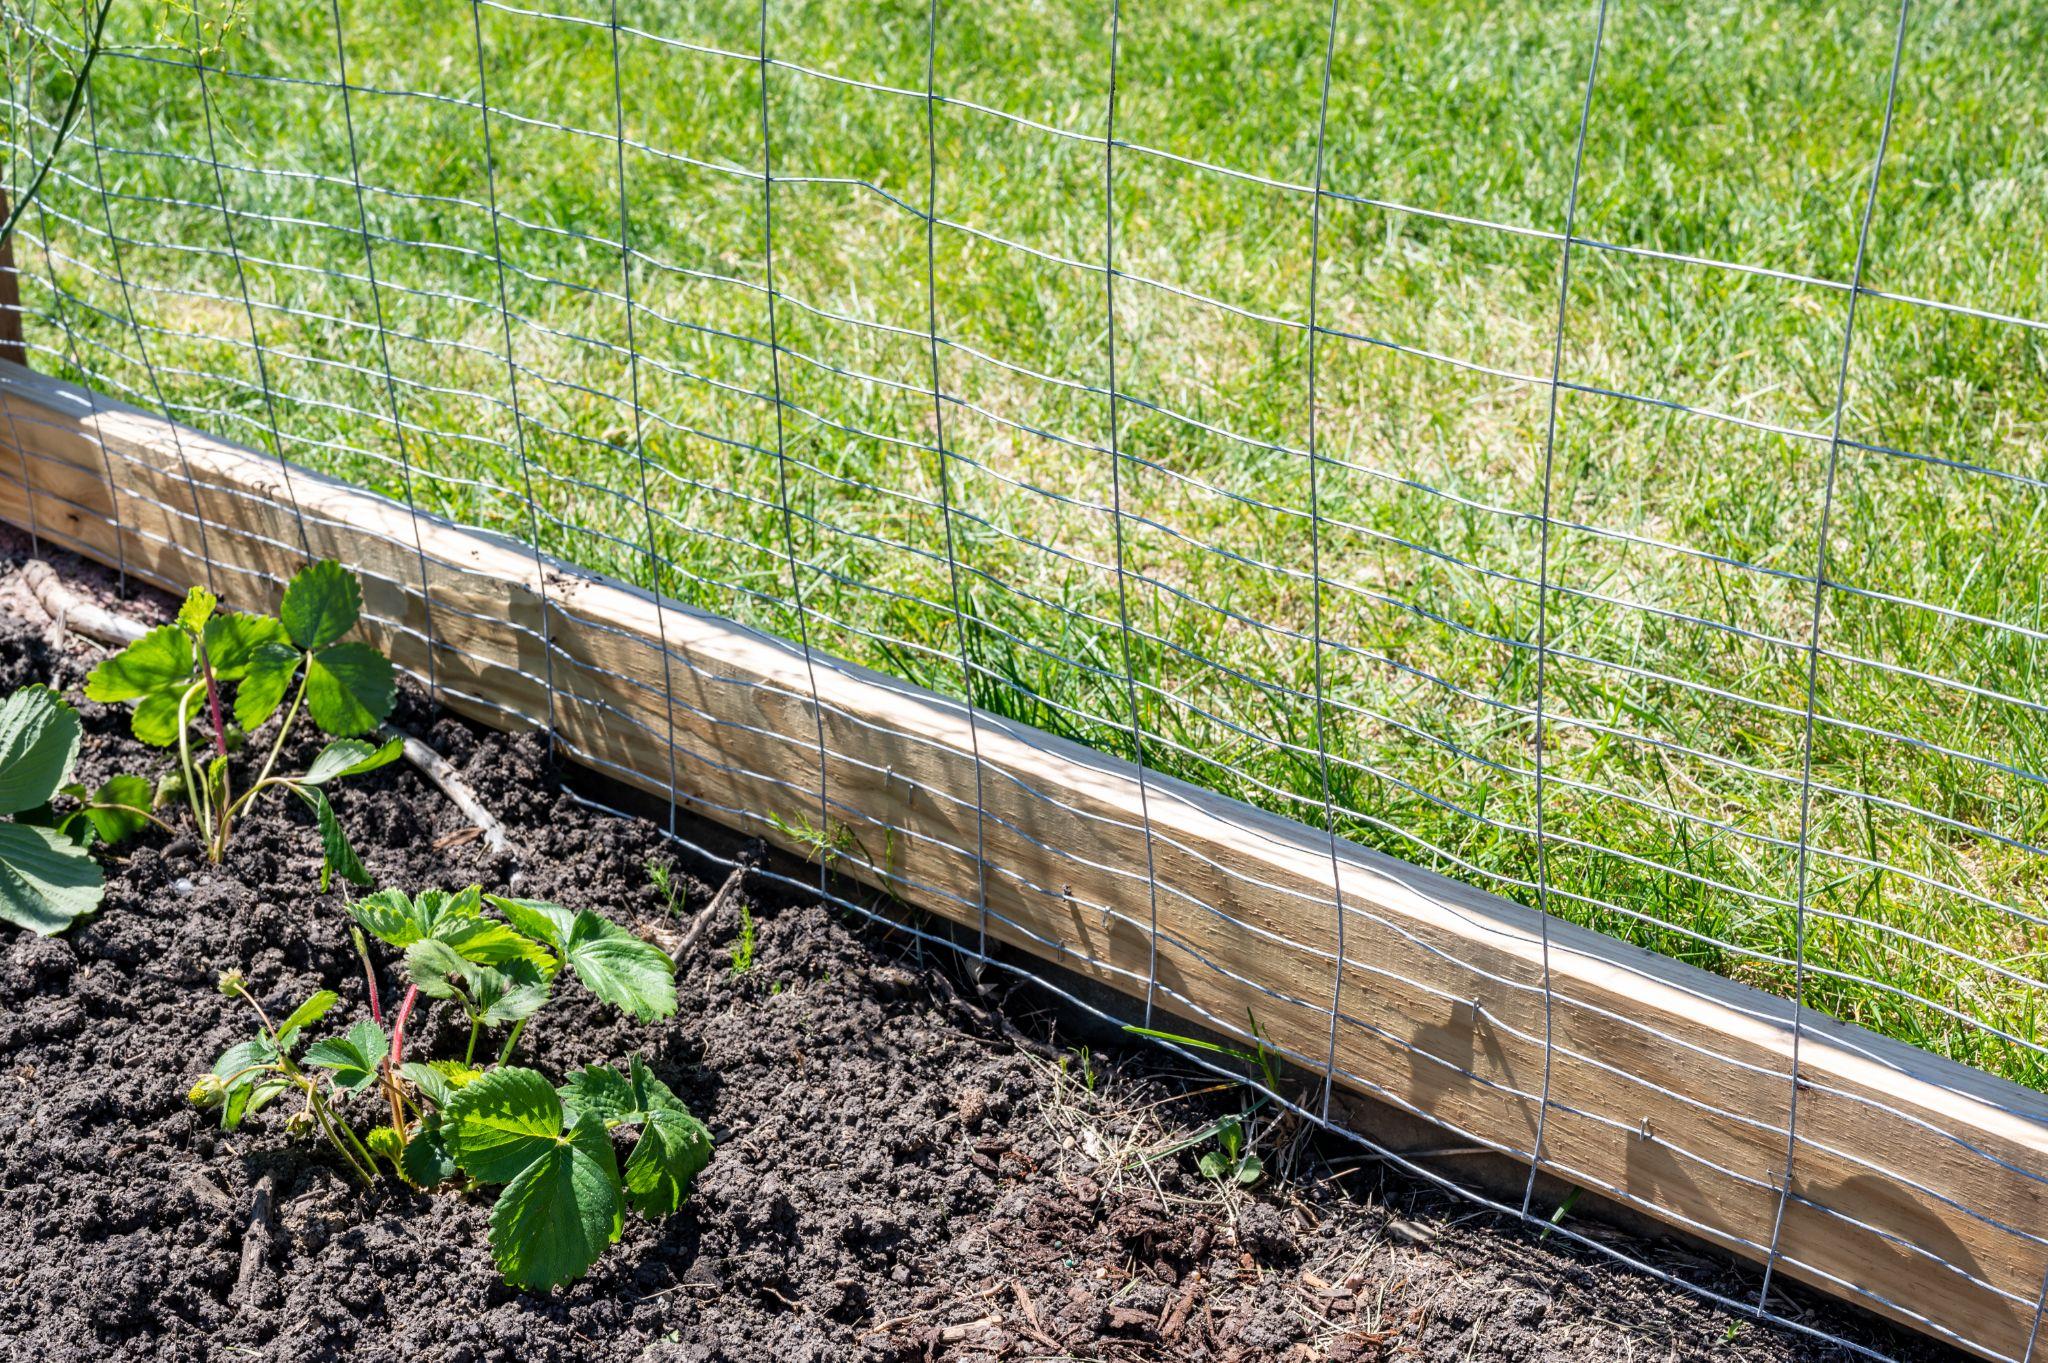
x,y
227,225
796,584
1116,514
945,461
2034,1330
540,570
1564,288
355,176
654,583
156,384
1820,586
1315,551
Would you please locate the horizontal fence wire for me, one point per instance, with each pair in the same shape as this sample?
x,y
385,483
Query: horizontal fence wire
x,y
1495,479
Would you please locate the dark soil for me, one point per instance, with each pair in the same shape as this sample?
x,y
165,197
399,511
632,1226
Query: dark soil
x,y
907,1169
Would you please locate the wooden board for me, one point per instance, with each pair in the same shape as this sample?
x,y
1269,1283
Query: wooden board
x,y
1917,1189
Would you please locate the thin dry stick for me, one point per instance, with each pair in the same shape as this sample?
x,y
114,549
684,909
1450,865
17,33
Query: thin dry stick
x,y
709,911
437,769
256,1240
72,611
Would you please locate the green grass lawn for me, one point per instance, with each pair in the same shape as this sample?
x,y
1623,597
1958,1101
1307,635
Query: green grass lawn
x,y
1691,442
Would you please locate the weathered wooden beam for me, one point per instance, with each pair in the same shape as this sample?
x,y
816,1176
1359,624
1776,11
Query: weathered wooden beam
x,y
13,345
1917,1188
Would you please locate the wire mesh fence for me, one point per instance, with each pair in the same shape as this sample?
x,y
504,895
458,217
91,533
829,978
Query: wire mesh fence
x,y
1593,453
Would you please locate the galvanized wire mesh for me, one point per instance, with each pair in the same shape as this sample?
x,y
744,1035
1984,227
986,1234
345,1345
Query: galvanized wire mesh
x,y
1450,457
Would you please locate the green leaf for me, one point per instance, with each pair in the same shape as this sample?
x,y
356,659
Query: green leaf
x,y
321,603
672,1150
551,923
310,1012
387,1144
260,1096
253,1054
216,779
501,1123
38,747
234,643
456,1073
507,995
491,943
265,679
337,857
155,720
350,689
197,610
440,912
47,881
131,796
430,963
388,916
557,1216
246,1100
426,1162
350,757
631,975
673,1147
160,660
432,1084
353,1056
602,1090
393,917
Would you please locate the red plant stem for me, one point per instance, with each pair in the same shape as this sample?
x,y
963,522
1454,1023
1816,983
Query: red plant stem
x,y
396,1058
220,728
398,1029
370,978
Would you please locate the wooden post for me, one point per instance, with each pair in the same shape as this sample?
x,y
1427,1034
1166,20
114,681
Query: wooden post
x,y
13,346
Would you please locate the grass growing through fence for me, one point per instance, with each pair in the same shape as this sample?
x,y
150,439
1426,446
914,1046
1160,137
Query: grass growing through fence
x,y
1686,474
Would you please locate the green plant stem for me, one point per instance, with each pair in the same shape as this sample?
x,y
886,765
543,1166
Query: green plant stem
x,y
364,1168
195,791
511,1040
369,974
220,747
132,809
476,1025
276,746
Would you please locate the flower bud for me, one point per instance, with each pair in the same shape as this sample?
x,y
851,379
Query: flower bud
x,y
231,982
208,1091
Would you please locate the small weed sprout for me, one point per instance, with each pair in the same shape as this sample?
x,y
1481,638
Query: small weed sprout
x,y
1084,1064
664,877
176,678
1232,1160
822,845
497,961
743,946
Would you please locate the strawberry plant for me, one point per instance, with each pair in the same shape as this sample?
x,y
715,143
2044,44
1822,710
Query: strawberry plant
x,y
250,1074
47,879
176,679
498,961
